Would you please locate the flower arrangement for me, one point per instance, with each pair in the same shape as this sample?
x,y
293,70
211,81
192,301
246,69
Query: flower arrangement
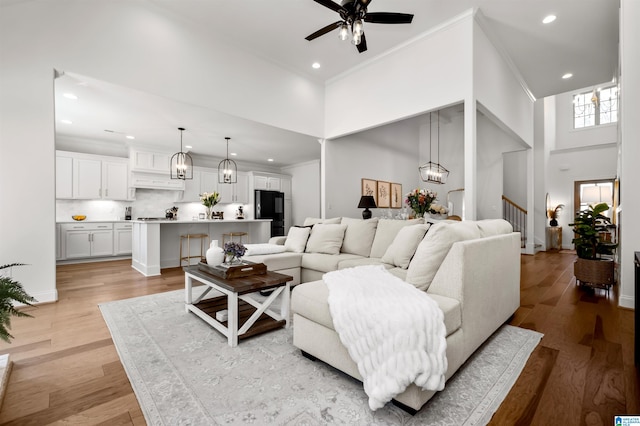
x,y
233,251
438,209
419,200
210,199
554,213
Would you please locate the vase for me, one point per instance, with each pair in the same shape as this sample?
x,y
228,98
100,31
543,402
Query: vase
x,y
208,212
215,254
231,260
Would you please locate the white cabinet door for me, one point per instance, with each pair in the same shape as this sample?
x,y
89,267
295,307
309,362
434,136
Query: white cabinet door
x,y
260,182
78,244
87,178
226,192
64,177
191,191
241,195
122,238
102,242
150,161
114,180
273,184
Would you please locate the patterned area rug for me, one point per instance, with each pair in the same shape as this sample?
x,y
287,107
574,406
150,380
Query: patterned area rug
x,y
184,373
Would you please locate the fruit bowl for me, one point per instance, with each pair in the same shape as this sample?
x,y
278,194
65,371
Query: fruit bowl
x,y
79,217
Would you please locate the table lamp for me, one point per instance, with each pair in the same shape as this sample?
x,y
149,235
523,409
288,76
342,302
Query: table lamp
x,y
367,201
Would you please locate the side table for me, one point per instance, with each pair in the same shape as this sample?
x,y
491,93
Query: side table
x,y
554,238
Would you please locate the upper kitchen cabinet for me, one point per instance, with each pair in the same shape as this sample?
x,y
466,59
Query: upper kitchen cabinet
x,y
146,161
91,177
151,170
206,180
235,192
265,181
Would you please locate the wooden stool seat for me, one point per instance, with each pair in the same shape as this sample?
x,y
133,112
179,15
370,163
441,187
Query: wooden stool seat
x,y
204,238
232,235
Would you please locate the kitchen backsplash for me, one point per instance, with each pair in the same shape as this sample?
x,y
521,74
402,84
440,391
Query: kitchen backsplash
x,y
148,203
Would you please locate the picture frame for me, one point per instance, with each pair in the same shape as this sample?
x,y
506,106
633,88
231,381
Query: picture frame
x,y
384,194
396,196
369,187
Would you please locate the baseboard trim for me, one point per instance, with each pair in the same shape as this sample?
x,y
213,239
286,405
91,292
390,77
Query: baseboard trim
x,y
627,302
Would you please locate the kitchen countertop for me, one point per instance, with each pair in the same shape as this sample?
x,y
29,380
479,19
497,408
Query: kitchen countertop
x,y
168,221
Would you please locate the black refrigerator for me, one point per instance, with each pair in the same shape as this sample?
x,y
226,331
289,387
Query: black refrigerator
x,y
270,205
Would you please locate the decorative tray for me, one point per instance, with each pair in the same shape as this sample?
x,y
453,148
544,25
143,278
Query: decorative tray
x,y
243,269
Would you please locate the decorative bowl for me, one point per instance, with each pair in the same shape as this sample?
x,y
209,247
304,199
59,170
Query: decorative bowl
x,y
79,217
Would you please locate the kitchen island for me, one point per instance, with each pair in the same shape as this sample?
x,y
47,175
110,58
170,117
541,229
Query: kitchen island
x,y
156,243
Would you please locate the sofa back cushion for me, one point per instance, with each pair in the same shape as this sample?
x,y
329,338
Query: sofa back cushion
x,y
325,238
386,232
404,245
359,235
297,239
434,248
491,227
310,221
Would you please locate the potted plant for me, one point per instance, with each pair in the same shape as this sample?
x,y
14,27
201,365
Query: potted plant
x,y
11,291
589,227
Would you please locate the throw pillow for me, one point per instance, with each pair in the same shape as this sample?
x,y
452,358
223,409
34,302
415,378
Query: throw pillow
x,y
435,247
297,239
359,235
326,238
404,245
386,232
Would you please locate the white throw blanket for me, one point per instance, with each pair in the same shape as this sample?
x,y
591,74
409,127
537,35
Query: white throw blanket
x,y
264,248
394,332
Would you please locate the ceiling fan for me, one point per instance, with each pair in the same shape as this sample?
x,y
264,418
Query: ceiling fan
x,y
352,14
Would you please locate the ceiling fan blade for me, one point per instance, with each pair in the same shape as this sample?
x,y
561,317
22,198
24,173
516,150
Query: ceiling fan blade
x,y
364,3
331,5
388,18
324,30
363,44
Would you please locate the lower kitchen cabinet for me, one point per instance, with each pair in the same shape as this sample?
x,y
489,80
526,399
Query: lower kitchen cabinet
x,y
87,240
122,238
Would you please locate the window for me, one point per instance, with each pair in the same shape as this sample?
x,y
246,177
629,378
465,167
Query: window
x,y
599,106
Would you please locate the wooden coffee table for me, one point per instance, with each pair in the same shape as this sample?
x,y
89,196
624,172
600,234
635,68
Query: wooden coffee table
x,y
235,295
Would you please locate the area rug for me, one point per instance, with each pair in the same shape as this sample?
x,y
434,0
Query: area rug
x,y
184,373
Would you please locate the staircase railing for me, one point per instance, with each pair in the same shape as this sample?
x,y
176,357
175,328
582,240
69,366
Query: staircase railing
x,y
517,217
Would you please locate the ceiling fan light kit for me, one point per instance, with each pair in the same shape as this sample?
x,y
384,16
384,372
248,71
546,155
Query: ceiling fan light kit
x,y
181,163
352,14
434,172
227,169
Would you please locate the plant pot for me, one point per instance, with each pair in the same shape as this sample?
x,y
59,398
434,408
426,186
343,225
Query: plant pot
x,y
553,222
596,273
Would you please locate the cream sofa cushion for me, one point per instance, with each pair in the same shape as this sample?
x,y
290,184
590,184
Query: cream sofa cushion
x,y
386,232
297,239
359,235
491,227
404,245
435,247
326,238
325,262
310,221
362,261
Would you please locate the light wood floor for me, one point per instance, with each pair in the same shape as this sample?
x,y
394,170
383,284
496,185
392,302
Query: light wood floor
x,y
67,371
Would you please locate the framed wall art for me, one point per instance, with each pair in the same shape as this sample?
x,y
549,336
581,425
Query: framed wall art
x,y
396,196
370,187
384,194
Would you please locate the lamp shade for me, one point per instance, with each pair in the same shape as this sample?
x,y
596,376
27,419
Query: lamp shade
x,y
367,201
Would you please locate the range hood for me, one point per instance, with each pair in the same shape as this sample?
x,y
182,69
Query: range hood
x,y
155,181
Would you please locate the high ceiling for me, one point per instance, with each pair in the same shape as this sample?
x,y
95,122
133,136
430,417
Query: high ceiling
x,y
582,41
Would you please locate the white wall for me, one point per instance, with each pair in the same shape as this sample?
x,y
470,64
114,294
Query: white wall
x,y
630,148
431,72
514,179
132,44
305,190
388,153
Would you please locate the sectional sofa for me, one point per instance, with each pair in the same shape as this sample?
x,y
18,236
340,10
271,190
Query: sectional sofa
x,y
470,268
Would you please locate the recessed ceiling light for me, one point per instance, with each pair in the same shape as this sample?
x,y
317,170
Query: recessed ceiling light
x,y
549,19
188,146
233,153
315,65
270,159
66,121
130,137
567,75
70,96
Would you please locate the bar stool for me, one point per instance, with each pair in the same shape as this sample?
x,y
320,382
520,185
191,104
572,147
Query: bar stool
x,y
204,238
232,235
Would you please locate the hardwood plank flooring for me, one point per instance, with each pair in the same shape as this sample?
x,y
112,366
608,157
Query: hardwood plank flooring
x,y
67,371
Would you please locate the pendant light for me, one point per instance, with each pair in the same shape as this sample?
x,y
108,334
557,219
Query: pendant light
x,y
433,172
227,169
181,163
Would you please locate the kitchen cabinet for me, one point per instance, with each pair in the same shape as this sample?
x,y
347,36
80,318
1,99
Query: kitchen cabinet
x,y
235,192
270,183
115,180
91,177
209,181
122,238
146,161
87,240
191,191
64,177
87,179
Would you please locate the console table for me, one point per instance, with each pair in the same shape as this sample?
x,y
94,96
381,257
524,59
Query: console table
x,y
554,238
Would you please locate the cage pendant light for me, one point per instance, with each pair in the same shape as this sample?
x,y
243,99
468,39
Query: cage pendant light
x,y
433,172
227,169
181,163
